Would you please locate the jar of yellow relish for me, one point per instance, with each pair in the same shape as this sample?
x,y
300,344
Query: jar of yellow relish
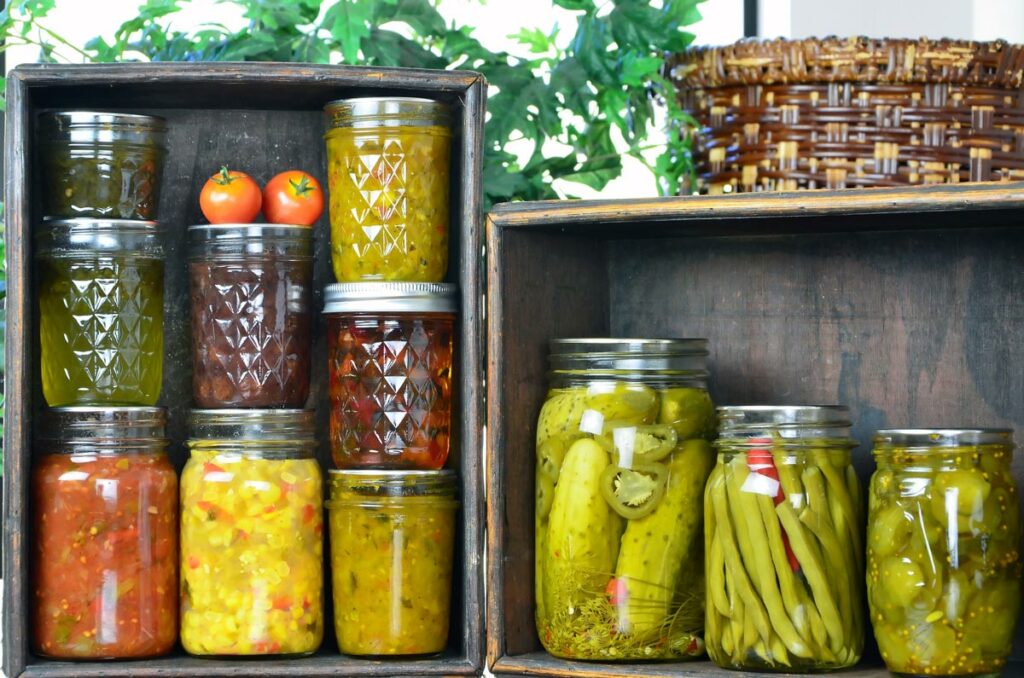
x,y
392,536
387,174
101,311
251,535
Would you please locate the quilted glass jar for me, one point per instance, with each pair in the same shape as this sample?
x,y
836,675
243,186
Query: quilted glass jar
x,y
389,352
387,171
101,311
250,287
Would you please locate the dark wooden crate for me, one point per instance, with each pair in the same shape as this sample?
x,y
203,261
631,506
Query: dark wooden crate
x,y
263,118
903,304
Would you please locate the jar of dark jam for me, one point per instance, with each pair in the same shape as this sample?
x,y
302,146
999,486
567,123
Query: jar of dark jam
x,y
101,164
250,287
389,354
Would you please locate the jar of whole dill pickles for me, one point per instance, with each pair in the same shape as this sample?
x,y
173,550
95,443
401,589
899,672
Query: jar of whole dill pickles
x,y
783,547
943,550
101,311
622,458
387,174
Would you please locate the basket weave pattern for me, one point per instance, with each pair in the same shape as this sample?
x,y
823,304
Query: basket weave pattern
x,y
839,113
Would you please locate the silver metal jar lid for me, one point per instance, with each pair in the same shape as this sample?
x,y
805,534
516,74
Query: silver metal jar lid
x,y
387,112
390,297
943,437
67,236
637,356
784,421
393,483
296,427
250,239
102,127
103,423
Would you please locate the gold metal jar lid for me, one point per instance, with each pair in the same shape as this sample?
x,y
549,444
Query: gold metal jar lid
x,y
364,112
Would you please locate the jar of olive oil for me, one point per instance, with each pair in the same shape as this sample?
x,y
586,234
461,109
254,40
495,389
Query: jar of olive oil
x,y
101,311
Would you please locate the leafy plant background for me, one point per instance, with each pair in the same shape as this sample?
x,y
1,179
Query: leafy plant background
x,y
608,77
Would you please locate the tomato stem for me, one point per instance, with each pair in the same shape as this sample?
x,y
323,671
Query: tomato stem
x,y
224,177
302,186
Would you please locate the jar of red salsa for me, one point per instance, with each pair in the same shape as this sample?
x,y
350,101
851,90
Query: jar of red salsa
x,y
105,503
389,348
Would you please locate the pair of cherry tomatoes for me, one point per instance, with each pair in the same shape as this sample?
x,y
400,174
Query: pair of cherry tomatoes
x,y
233,197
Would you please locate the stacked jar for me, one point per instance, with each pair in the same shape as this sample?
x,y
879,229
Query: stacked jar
x,y
251,491
390,334
104,493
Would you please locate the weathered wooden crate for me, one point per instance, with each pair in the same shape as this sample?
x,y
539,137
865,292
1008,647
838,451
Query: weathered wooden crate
x,y
263,118
903,304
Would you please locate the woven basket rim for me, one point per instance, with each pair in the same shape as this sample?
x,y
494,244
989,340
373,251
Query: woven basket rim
x,y
854,59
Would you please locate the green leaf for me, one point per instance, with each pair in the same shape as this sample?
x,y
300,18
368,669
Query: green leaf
x,y
636,69
349,24
585,5
535,39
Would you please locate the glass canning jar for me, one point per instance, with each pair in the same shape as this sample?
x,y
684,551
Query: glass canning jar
x,y
251,534
943,550
387,174
389,354
105,165
784,565
622,458
251,314
105,507
392,541
101,311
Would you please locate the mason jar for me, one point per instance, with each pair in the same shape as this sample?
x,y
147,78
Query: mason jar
x,y
104,165
389,365
387,173
251,534
943,550
392,544
105,508
784,558
101,311
251,314
622,458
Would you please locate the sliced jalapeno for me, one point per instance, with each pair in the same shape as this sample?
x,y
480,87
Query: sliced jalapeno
x,y
634,493
652,443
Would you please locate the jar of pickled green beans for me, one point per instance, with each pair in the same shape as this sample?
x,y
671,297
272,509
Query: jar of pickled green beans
x,y
622,458
943,550
782,526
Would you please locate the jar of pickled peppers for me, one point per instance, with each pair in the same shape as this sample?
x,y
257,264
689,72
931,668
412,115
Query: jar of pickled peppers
x,y
251,288
105,505
622,458
783,546
251,534
389,355
943,550
101,311
387,174
392,541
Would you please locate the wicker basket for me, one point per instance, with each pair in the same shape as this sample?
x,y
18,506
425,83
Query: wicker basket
x,y
849,112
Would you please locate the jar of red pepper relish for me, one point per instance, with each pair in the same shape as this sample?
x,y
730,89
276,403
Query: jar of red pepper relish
x,y
389,348
105,503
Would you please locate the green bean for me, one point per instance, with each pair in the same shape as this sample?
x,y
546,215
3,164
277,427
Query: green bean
x,y
716,566
817,519
818,633
789,476
787,578
838,494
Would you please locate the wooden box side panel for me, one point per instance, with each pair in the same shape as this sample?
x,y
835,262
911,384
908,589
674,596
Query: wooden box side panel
x,y
541,286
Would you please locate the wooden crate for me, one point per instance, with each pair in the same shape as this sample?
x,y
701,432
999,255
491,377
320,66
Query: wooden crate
x,y
263,118
903,304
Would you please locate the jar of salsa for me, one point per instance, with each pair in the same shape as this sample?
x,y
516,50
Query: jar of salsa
x,y
251,535
943,551
105,507
101,311
251,288
104,165
392,540
389,362
387,171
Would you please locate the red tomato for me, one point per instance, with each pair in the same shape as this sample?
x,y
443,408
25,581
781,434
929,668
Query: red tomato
x,y
293,197
230,197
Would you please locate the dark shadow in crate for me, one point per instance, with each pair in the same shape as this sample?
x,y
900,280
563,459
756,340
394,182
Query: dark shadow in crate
x,y
263,119
902,304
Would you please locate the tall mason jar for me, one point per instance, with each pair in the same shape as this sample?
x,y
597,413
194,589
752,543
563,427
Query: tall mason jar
x,y
105,503
101,311
943,550
622,458
387,174
782,520
251,534
251,288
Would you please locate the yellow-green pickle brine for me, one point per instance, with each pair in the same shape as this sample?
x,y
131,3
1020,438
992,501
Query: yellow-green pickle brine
x,y
622,458
783,520
251,535
943,550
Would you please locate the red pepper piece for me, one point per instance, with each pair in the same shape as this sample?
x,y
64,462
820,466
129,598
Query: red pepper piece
x,y
617,591
308,512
